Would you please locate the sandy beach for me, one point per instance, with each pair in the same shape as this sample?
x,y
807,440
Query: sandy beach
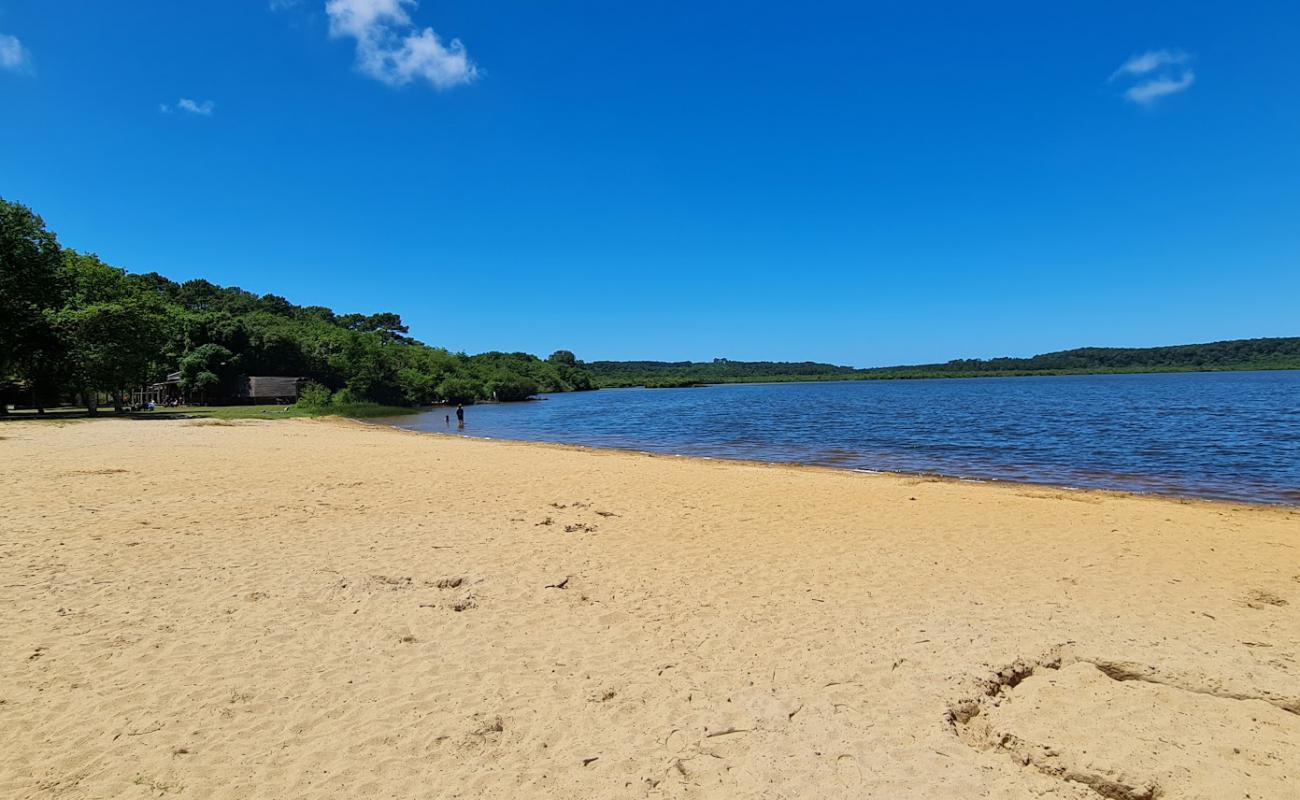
x,y
304,609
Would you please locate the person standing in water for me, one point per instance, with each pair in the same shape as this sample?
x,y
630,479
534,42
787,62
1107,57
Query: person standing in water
x,y
460,416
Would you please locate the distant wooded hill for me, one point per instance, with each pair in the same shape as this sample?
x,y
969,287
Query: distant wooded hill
x,y
1237,354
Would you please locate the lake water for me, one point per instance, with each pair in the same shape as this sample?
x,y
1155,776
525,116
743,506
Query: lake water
x,y
1227,435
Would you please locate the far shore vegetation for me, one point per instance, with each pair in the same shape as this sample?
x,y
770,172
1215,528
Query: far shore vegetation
x,y
1236,355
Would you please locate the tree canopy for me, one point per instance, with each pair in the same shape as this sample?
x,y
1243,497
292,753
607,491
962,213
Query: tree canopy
x,y
72,326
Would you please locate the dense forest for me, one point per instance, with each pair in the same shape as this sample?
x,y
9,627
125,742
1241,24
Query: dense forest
x,y
1240,354
73,328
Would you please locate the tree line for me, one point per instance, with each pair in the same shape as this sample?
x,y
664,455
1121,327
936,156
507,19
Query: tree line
x,y
1237,354
75,328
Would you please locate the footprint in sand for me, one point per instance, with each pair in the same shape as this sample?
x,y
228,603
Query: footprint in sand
x,y
1131,732
848,771
1261,598
676,742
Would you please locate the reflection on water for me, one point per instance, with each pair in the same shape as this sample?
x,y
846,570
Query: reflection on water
x,y
1225,435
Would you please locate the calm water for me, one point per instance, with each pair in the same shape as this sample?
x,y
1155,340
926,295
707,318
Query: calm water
x,y
1232,435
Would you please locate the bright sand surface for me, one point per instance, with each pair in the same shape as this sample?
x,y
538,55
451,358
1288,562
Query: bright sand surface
x,y
320,609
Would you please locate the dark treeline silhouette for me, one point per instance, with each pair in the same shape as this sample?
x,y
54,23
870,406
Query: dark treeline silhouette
x,y
75,328
1239,354
667,374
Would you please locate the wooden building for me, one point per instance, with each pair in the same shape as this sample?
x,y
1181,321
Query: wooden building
x,y
162,393
267,389
245,389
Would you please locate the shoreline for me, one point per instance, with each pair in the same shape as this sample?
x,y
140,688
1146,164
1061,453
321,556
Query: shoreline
x,y
317,608
935,476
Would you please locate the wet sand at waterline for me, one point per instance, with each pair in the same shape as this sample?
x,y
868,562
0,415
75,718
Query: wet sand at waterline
x,y
319,609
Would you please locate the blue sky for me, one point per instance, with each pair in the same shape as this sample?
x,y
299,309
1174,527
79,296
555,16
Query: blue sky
x,y
863,183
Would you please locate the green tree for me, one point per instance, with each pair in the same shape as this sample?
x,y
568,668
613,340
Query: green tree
x,y
507,387
206,369
459,390
564,357
114,329
372,370
418,388
32,288
386,324
112,346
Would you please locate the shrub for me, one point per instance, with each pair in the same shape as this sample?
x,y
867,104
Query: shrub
x,y
313,395
460,390
506,387
347,397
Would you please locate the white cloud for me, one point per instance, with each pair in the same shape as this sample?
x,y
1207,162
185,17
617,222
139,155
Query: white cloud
x,y
1148,91
392,50
203,109
1149,62
1156,73
12,53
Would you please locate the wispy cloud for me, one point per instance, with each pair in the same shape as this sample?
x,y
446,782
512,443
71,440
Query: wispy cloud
x,y
1149,62
13,55
281,5
392,50
203,109
1148,91
1159,73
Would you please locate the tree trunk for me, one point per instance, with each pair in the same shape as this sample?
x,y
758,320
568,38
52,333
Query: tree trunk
x,y
92,402
117,402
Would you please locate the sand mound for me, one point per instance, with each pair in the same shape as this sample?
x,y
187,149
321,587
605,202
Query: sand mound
x,y
208,422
